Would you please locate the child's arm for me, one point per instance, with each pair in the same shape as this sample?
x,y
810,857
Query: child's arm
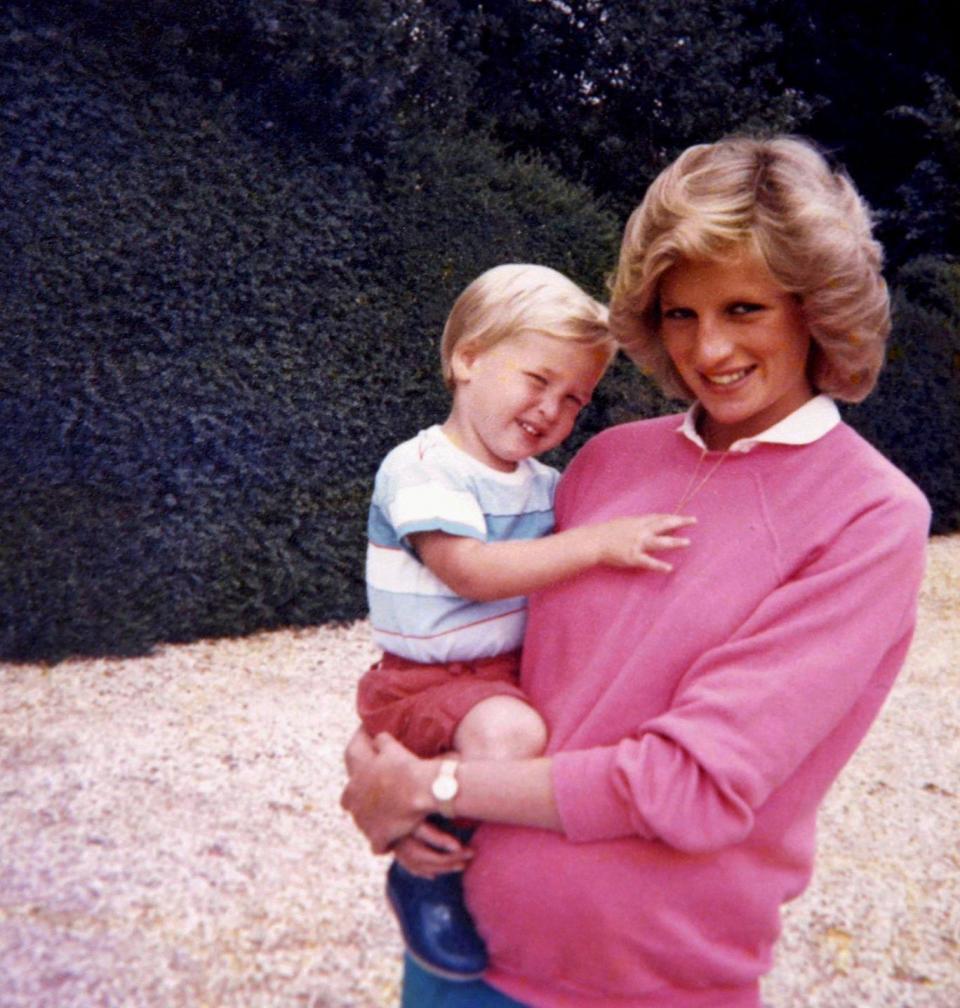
x,y
484,571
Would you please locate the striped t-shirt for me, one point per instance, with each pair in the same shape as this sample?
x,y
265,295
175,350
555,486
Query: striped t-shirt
x,y
428,484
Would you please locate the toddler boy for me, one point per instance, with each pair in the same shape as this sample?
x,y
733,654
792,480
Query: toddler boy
x,y
460,531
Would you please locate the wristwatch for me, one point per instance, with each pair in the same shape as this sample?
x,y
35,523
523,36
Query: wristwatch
x,y
445,786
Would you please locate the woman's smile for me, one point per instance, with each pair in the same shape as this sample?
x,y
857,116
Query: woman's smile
x,y
739,342
728,379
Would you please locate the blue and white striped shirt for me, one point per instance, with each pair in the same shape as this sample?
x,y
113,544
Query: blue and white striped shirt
x,y
428,484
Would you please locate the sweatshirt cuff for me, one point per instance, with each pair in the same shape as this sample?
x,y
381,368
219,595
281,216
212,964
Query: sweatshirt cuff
x,y
587,800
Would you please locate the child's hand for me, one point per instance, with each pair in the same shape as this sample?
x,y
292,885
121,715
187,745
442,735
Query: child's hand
x,y
429,852
628,542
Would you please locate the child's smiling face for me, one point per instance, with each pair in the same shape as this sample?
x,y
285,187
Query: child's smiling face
x,y
521,396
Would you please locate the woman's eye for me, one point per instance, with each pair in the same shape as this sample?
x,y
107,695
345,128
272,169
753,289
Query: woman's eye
x,y
677,314
745,308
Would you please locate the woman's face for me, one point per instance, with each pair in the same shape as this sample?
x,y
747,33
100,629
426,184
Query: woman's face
x,y
738,341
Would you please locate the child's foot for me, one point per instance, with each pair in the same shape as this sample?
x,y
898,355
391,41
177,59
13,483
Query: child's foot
x,y
436,926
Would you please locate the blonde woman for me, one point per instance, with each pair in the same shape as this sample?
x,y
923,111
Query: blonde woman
x,y
695,722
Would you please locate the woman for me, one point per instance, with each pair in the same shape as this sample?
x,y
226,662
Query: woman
x,y
696,720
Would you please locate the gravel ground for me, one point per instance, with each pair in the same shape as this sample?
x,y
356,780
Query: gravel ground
x,y
170,834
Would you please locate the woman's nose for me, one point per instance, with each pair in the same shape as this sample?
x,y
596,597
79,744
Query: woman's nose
x,y
713,343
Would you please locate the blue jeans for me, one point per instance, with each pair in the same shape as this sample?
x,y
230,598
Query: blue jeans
x,y
424,990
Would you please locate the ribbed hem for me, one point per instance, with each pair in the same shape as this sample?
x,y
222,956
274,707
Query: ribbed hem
x,y
539,996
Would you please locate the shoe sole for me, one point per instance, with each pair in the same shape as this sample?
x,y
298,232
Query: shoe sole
x,y
442,973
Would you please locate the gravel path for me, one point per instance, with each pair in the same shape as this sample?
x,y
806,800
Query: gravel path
x,y
170,834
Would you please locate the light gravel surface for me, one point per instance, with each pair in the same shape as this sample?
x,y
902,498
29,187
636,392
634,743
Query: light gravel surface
x,y
170,834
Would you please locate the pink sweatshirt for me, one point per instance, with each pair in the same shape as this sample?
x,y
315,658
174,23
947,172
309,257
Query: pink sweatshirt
x,y
697,718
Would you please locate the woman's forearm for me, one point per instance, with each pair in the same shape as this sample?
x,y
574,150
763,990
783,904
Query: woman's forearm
x,y
389,790
519,792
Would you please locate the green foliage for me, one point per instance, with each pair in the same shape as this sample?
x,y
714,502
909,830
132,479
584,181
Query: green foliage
x,y
928,216
235,230
857,64
914,414
610,91
177,359
211,338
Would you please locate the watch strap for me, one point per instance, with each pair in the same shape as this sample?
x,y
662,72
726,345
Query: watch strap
x,y
446,786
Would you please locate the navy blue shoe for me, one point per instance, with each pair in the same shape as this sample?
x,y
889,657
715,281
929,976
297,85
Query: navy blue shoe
x,y
436,926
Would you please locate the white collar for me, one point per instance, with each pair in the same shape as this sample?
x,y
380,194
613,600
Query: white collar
x,y
805,425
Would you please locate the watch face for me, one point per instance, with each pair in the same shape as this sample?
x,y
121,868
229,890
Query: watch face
x,y
444,788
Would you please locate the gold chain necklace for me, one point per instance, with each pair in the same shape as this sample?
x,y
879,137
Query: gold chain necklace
x,y
693,488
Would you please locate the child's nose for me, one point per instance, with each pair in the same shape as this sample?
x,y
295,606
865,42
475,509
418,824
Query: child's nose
x,y
550,407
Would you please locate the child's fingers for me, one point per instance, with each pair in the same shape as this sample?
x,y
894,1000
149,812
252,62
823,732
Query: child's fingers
x,y
641,557
651,563
667,523
662,542
438,839
425,860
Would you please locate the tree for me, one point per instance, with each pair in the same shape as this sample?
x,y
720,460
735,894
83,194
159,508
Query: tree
x,y
859,64
914,414
609,90
214,328
926,216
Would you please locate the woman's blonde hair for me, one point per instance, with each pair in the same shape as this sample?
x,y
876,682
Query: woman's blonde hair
x,y
520,298
779,198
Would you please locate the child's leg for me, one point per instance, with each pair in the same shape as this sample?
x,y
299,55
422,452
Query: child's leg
x,y
500,727
476,708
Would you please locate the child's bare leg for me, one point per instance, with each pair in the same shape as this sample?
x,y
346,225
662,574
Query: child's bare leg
x,y
501,727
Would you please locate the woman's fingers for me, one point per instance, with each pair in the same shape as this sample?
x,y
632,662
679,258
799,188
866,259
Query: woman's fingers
x,y
385,788
358,748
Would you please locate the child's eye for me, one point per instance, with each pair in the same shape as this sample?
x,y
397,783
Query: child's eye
x,y
536,378
677,314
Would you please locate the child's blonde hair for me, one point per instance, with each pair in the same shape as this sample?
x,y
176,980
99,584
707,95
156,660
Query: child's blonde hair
x,y
780,199
520,297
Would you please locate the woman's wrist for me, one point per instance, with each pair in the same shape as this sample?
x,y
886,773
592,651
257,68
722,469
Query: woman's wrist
x,y
445,786
519,792
425,796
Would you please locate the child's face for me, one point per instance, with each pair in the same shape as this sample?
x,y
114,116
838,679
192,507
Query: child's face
x,y
520,397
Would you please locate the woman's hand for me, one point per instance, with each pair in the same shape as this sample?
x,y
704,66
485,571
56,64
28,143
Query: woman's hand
x,y
388,793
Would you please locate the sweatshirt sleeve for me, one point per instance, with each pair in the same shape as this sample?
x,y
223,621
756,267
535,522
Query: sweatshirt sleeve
x,y
748,713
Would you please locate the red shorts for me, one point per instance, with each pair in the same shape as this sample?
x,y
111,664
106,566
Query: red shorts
x,y
421,705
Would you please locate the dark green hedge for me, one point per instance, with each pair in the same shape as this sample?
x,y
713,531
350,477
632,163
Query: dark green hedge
x,y
216,318
914,414
210,337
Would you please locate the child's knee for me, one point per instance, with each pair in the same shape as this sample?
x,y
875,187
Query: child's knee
x,y
501,727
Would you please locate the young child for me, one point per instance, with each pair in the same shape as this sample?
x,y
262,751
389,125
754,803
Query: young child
x,y
459,531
